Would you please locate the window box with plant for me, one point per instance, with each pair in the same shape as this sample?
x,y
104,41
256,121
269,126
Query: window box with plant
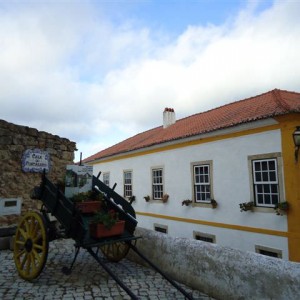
x,y
131,199
165,198
281,208
88,202
106,223
213,203
186,202
246,206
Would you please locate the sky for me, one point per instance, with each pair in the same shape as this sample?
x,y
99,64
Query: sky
x,y
98,72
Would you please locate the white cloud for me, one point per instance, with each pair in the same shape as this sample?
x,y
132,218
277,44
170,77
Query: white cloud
x,y
70,71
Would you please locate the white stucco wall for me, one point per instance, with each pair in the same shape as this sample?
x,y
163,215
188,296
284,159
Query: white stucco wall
x,y
231,186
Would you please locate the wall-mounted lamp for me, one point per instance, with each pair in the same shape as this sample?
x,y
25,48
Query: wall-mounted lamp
x,y
296,137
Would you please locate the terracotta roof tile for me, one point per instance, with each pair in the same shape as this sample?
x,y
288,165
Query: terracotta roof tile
x,y
270,104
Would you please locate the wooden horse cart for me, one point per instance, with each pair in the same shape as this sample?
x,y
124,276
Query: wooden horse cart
x,y
35,230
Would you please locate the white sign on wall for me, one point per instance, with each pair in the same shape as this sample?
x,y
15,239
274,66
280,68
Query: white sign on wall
x,y
35,161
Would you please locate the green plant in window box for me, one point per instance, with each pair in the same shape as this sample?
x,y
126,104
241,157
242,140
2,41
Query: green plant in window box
x,y
246,206
165,198
147,198
131,199
186,202
281,208
213,203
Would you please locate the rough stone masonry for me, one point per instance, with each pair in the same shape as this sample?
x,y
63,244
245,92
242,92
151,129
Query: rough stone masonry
x,y
14,182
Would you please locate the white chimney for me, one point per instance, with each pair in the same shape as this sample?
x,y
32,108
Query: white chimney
x,y
169,117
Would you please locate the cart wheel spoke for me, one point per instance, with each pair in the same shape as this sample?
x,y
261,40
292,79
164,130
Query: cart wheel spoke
x,y
37,246
20,243
36,256
24,260
20,253
23,233
115,251
31,245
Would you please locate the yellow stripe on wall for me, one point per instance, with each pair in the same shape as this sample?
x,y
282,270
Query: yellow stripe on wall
x,y
215,224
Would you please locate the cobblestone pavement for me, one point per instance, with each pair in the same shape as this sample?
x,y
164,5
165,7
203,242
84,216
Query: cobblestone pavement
x,y
87,281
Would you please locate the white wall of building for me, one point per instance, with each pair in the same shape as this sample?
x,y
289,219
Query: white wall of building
x,y
231,186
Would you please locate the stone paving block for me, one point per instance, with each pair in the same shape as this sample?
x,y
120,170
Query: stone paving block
x,y
87,281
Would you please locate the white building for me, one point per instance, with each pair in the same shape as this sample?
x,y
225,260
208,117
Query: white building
x,y
238,153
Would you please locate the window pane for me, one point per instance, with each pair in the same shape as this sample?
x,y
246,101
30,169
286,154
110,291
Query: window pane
x,y
274,188
264,165
273,176
265,176
266,188
260,199
257,166
258,177
259,188
275,199
272,165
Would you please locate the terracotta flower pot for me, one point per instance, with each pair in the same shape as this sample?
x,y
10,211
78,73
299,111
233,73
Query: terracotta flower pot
x,y
100,231
88,206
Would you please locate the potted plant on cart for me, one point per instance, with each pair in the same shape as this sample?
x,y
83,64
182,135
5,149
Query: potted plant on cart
x,y
106,223
88,202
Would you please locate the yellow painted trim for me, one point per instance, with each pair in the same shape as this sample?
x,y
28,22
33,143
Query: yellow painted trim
x,y
219,225
291,169
188,143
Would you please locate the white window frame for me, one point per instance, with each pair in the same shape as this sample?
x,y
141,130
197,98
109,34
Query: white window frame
x,y
127,183
106,178
157,183
198,183
264,192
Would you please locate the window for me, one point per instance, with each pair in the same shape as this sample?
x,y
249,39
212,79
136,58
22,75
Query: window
x,y
106,178
265,182
157,184
268,251
202,182
127,183
209,238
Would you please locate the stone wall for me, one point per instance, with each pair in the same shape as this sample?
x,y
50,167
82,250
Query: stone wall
x,y
14,183
220,272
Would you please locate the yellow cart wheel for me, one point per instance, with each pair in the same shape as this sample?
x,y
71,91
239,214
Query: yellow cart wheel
x,y
31,245
116,251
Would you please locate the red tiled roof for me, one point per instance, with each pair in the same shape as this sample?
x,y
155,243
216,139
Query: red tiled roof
x,y
270,104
